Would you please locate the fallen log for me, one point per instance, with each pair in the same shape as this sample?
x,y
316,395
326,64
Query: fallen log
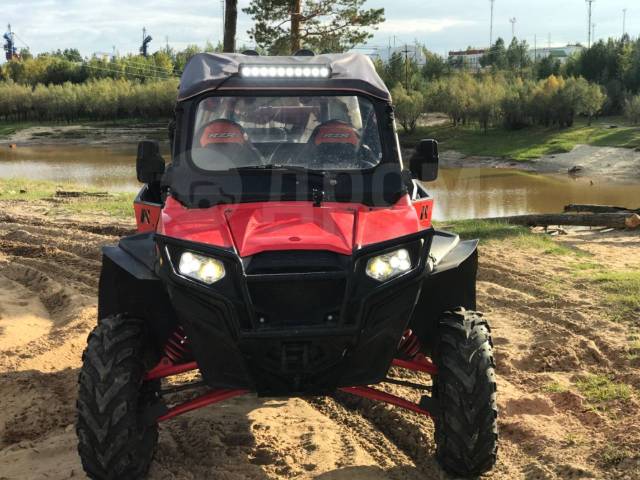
x,y
579,207
72,194
611,220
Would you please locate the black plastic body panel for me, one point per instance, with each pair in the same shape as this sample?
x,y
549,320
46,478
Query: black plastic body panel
x,y
235,350
451,284
128,284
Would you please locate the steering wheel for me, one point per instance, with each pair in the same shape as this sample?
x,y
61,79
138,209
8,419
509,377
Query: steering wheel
x,y
367,157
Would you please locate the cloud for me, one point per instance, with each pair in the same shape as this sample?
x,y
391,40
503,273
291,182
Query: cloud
x,y
422,25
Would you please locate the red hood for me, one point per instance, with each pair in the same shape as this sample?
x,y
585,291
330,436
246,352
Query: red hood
x,y
256,227
262,227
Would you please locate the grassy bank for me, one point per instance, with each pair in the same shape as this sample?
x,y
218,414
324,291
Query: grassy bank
x,y
528,143
117,205
8,128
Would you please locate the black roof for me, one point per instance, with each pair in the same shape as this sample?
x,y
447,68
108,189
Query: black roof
x,y
220,71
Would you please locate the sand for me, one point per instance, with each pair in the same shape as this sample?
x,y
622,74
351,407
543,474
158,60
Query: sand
x,y
48,281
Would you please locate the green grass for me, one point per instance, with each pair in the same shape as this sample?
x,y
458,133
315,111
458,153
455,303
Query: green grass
x,y
600,389
622,290
519,237
9,128
483,229
586,266
613,455
119,205
555,387
528,143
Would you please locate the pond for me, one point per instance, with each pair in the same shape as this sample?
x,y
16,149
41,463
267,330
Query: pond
x,y
459,192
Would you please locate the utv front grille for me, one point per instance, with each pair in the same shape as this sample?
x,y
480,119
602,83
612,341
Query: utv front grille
x,y
295,301
296,288
297,261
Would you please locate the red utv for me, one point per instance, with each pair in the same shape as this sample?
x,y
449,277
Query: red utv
x,y
285,251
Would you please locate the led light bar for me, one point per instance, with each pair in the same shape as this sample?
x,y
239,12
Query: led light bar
x,y
285,71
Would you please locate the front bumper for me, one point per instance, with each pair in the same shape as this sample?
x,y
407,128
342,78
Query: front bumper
x,y
278,325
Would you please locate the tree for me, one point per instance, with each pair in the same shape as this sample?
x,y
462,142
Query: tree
x,y
230,22
632,109
408,107
25,54
517,55
593,101
487,100
283,26
548,66
496,56
435,66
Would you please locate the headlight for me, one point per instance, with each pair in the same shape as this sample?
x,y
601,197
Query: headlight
x,y
389,265
201,268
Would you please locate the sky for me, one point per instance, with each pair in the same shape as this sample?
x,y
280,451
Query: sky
x,y
97,26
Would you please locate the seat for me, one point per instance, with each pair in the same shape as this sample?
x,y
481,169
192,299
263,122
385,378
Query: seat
x,y
333,144
229,145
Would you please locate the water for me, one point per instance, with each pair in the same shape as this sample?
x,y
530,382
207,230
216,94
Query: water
x,y
497,192
459,193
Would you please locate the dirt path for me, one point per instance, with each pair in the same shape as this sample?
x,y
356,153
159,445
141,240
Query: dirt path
x,y
48,281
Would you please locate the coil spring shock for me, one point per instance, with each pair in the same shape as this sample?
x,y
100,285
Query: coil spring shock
x,y
177,346
409,345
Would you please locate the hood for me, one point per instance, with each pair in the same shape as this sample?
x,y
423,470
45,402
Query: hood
x,y
259,227
251,228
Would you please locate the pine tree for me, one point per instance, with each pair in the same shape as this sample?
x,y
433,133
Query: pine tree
x,y
284,26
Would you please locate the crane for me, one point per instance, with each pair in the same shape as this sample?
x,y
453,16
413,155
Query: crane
x,y
10,49
146,39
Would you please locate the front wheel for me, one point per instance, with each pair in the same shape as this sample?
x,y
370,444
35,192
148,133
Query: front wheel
x,y
466,430
115,440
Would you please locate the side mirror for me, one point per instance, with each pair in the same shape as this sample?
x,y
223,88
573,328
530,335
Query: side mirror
x,y
424,162
149,163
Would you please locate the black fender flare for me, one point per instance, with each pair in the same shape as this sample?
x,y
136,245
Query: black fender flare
x,y
135,255
449,283
129,284
449,252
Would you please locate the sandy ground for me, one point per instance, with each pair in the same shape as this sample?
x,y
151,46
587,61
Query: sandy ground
x,y
620,164
48,281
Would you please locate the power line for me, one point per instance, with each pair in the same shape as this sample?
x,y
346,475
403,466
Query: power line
x,y
132,64
119,72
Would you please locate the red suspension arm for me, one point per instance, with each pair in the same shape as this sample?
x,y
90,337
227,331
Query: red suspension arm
x,y
373,394
208,398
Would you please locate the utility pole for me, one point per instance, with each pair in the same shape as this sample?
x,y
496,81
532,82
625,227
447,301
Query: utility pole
x,y
624,22
549,42
513,27
222,2
406,67
590,2
491,25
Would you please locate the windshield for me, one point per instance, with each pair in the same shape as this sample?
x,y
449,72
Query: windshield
x,y
313,132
